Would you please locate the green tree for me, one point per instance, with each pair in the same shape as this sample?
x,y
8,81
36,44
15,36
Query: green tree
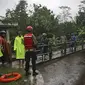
x,y
18,15
43,20
80,19
21,14
66,22
65,14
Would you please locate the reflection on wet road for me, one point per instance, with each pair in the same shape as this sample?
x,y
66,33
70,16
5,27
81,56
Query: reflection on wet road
x,y
66,71
63,72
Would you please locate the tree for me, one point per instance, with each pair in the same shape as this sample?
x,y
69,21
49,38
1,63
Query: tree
x,y
80,18
18,15
10,17
67,24
65,14
43,20
21,15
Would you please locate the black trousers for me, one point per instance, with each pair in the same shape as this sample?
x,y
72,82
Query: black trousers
x,y
28,56
2,59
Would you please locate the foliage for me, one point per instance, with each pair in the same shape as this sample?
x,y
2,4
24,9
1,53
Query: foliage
x,y
67,27
17,15
66,22
80,19
65,14
43,20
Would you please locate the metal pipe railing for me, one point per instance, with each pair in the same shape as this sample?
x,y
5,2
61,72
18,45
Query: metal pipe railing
x,y
61,49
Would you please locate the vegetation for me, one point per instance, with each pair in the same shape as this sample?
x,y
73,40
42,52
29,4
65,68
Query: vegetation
x,y
44,20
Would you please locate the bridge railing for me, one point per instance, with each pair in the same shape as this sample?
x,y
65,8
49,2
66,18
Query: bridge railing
x,y
49,52
59,50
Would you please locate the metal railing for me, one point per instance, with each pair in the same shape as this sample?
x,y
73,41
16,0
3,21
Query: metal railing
x,y
59,50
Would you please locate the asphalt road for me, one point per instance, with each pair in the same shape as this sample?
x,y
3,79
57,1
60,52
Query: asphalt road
x,y
69,70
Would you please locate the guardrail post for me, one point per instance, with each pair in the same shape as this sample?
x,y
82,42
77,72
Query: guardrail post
x,y
50,53
82,44
62,48
42,58
75,46
65,45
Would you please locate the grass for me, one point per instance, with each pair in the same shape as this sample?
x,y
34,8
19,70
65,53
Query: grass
x,y
5,70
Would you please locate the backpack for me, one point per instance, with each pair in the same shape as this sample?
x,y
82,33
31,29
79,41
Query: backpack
x,y
28,41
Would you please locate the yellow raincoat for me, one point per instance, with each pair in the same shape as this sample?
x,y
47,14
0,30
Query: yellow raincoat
x,y
19,47
1,54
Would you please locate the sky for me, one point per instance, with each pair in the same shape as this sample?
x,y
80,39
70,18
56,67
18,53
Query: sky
x,y
50,4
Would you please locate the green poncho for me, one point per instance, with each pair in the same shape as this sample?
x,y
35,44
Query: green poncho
x,y
19,47
1,54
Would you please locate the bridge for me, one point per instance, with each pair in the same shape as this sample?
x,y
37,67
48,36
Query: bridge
x,y
65,68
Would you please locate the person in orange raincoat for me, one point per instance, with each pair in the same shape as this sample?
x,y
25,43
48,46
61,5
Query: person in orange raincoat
x,y
6,51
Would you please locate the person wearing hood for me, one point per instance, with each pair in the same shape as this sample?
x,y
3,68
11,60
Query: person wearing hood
x,y
19,48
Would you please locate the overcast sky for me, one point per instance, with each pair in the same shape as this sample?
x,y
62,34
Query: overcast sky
x,y
51,4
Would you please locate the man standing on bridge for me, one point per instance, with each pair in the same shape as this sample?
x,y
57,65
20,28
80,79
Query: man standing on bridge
x,y
30,43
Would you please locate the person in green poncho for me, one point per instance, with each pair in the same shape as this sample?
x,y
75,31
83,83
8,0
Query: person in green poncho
x,y
19,48
1,55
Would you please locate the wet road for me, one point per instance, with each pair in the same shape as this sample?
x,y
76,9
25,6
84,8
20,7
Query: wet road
x,y
67,71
